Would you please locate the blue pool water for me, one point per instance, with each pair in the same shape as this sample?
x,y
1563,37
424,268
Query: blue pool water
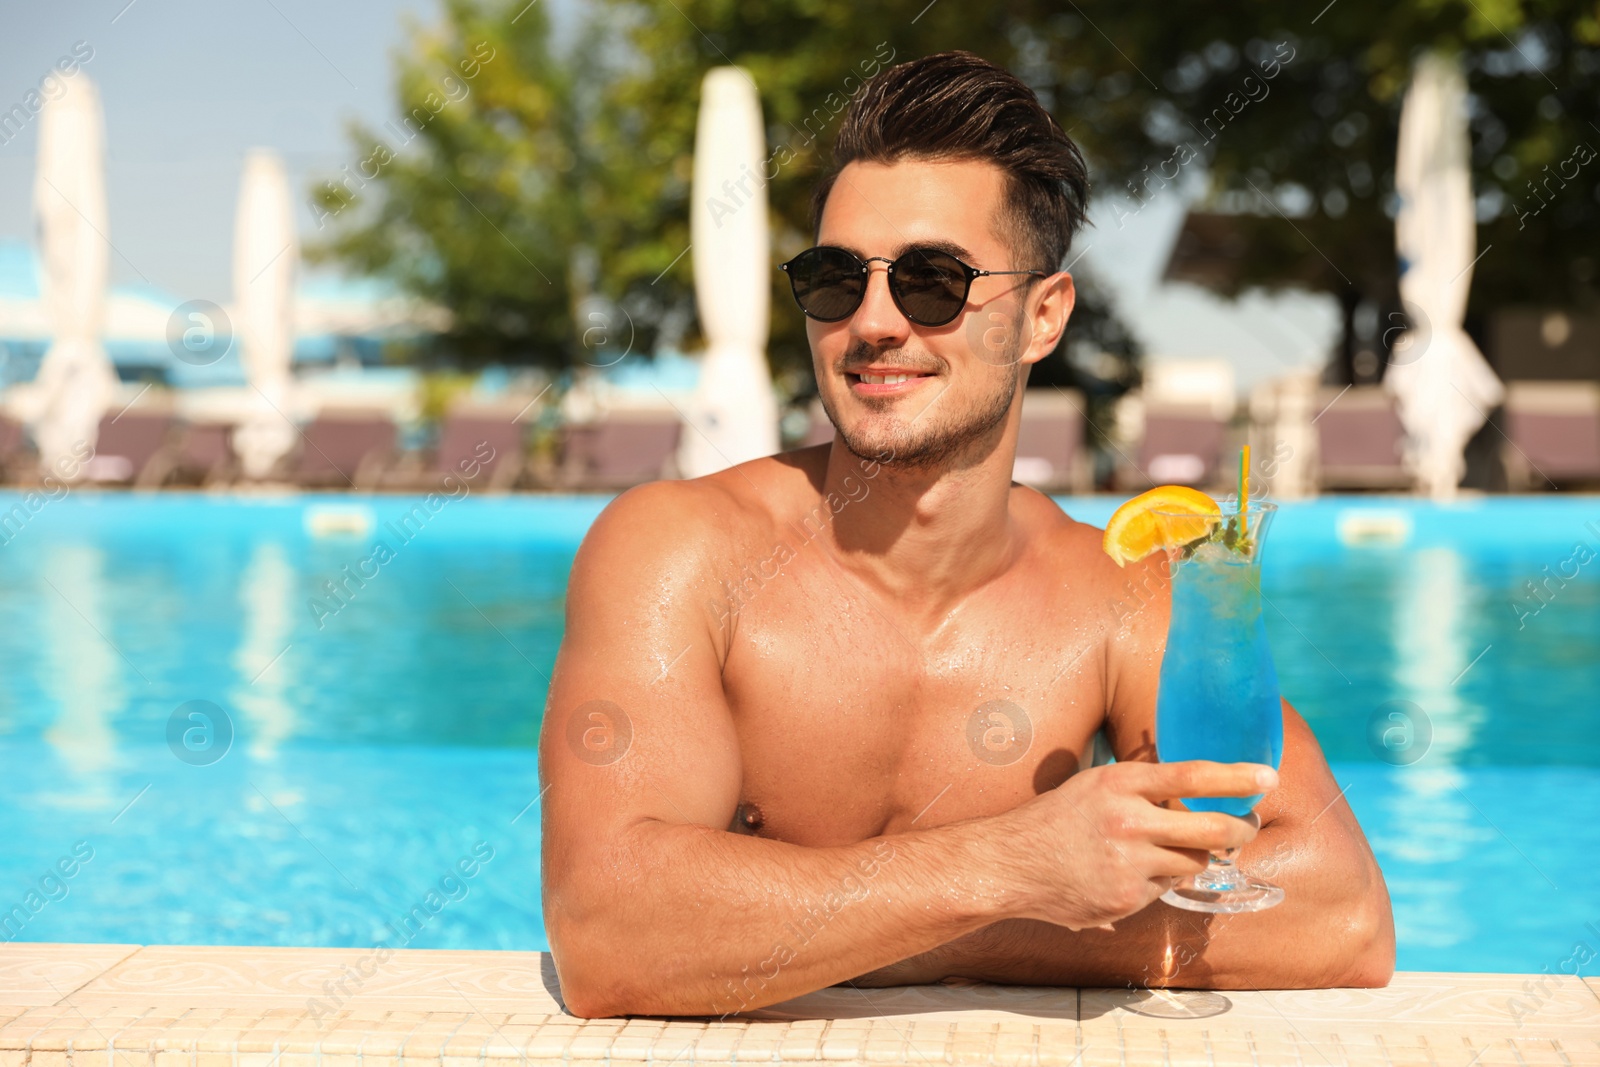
x,y
383,742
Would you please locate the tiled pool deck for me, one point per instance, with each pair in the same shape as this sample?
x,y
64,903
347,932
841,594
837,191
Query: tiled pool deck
x,y
127,1006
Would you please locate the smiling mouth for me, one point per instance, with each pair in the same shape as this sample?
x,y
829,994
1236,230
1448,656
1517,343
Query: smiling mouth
x,y
885,379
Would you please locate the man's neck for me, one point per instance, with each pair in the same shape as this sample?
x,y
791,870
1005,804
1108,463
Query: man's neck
x,y
925,536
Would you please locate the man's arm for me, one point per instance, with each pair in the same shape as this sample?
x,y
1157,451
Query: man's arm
x,y
653,907
1335,913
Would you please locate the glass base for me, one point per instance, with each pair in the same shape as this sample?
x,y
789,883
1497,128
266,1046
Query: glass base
x,y
1178,1003
1223,889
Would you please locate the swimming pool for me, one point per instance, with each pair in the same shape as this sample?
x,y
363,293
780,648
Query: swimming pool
x,y
382,739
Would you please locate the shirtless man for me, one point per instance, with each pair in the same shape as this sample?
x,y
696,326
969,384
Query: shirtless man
x,y
770,745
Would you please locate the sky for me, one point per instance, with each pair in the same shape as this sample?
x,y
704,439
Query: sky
x,y
189,86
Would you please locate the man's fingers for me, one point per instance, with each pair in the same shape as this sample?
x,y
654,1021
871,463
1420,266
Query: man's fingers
x,y
1201,778
1185,861
1200,859
1198,831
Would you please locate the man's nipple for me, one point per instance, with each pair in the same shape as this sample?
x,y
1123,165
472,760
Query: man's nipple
x,y
747,819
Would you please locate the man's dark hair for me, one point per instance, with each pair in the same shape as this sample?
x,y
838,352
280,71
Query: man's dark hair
x,y
959,106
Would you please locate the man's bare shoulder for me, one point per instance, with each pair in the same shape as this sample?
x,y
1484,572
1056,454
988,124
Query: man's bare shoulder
x,y
1066,542
1131,600
710,519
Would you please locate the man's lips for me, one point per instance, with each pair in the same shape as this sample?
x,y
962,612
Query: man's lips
x,y
885,381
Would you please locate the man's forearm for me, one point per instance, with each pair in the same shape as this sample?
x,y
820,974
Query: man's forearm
x,y
1336,919
686,920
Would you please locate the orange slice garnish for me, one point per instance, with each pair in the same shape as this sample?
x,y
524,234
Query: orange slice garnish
x,y
1134,531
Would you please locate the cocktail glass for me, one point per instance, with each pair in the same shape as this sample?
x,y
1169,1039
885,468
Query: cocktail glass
x,y
1219,695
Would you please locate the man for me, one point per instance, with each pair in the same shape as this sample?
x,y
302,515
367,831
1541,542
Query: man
x,y
820,717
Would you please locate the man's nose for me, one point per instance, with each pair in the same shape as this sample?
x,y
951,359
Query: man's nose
x,y
879,320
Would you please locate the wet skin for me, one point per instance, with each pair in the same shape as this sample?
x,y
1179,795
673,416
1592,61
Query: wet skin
x,y
810,652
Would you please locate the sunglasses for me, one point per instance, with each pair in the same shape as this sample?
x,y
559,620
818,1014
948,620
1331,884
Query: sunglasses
x,y
929,287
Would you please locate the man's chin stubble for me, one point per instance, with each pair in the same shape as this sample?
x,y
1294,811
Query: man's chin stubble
x,y
939,447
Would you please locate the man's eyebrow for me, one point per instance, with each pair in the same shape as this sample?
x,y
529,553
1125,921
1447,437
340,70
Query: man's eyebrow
x,y
852,249
938,244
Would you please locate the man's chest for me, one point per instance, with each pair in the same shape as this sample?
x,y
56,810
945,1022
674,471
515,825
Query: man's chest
x,y
853,721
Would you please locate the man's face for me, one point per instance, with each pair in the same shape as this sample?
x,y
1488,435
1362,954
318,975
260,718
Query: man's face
x,y
965,373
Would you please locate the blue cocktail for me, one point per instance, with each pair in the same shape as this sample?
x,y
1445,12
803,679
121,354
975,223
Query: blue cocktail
x,y
1219,690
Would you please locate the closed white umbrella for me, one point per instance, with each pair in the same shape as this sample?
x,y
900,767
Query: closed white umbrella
x,y
1443,386
265,256
734,415
75,384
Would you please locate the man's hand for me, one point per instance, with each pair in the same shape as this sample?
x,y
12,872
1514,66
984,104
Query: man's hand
x,y
1100,846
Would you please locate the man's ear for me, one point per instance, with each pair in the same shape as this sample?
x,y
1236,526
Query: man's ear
x,y
1048,312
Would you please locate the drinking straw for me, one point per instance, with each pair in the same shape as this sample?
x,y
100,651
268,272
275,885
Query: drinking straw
x,y
1244,491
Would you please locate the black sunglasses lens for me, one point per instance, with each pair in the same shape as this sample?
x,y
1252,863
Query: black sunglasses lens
x,y
932,287
828,283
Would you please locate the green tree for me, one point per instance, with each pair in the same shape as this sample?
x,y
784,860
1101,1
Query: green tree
x,y
1307,168
504,168
589,148
559,158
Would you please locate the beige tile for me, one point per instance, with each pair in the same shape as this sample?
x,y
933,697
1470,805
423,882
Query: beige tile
x,y
426,1042
550,1043
228,1007
909,1002
590,1045
970,1039
1476,999
1413,1007
1017,1042
43,974
885,1048
718,1042
336,978
1061,1043
1584,1049
677,1043
631,1047
844,1039
759,1044
1537,1052
30,1017
477,1038
385,1040
801,1042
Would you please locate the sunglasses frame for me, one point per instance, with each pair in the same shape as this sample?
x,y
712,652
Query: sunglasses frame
x,y
894,291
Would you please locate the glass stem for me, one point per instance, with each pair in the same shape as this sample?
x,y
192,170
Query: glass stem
x,y
1221,875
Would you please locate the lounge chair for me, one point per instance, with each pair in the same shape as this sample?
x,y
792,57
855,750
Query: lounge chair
x,y
1360,439
1552,434
1050,452
133,448
468,434
17,460
620,450
205,455
345,450
1185,408
1180,446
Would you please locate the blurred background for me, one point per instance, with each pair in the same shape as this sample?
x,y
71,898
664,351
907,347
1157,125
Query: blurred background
x,y
489,207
